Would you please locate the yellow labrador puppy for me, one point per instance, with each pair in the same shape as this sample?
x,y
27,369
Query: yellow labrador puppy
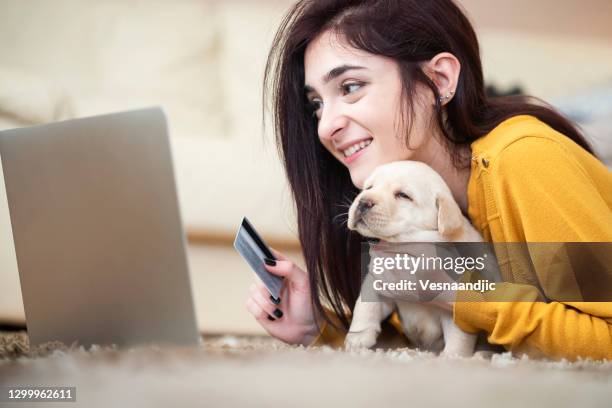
x,y
408,201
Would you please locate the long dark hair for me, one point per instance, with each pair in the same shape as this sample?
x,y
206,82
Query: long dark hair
x,y
409,31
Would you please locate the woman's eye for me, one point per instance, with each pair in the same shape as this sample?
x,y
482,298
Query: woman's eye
x,y
315,107
401,194
350,87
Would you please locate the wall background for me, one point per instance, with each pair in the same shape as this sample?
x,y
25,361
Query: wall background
x,y
203,62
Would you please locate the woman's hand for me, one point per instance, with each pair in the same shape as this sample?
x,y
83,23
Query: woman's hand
x,y
292,319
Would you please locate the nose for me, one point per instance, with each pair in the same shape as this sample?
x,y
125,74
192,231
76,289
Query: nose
x,y
332,122
365,205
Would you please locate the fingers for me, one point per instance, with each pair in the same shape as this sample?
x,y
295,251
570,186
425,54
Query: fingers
x,y
262,298
287,269
278,255
260,304
257,312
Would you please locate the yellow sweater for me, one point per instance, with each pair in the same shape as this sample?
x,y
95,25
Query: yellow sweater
x,y
529,183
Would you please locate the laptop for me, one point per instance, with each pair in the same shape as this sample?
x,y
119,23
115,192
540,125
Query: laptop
x,y
98,236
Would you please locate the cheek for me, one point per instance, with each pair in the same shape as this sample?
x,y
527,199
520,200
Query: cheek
x,y
397,212
405,213
378,115
389,148
383,124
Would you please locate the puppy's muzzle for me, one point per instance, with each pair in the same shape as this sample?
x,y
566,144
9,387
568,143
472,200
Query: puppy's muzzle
x,y
364,206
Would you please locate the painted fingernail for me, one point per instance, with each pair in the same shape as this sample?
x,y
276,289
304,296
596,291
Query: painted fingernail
x,y
270,262
271,318
274,300
278,313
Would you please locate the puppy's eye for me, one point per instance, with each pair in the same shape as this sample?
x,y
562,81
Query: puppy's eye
x,y
402,195
367,188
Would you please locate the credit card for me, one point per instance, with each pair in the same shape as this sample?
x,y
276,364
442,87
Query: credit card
x,y
253,249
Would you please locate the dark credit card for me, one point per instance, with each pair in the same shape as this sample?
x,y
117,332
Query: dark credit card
x,y
253,249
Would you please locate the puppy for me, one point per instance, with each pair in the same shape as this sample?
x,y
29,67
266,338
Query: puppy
x,y
408,201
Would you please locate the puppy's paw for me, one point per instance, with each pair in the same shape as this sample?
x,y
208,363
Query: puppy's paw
x,y
457,352
361,340
484,354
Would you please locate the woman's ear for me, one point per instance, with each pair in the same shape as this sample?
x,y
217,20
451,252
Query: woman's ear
x,y
450,218
443,69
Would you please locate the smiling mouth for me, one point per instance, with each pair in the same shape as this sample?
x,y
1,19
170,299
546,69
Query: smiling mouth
x,y
357,147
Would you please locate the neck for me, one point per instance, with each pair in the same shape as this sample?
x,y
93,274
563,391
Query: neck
x,y
456,179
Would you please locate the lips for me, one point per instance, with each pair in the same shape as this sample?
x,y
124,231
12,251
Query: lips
x,y
354,149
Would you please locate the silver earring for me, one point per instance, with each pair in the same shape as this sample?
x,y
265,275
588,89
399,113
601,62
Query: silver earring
x,y
448,96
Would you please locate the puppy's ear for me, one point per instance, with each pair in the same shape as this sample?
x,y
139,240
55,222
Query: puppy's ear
x,y
450,218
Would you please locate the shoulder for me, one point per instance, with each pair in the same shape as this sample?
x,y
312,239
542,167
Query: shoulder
x,y
526,177
523,134
523,145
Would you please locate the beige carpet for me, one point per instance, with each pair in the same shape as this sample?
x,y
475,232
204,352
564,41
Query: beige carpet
x,y
230,371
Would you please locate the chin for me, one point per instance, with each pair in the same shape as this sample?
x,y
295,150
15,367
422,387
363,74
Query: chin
x,y
360,174
358,180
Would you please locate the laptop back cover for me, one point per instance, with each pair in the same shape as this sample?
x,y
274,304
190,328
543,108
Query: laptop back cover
x,y
97,230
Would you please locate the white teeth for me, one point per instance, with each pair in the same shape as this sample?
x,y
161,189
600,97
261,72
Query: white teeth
x,y
356,147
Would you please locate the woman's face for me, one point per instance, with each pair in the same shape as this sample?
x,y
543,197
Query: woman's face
x,y
356,97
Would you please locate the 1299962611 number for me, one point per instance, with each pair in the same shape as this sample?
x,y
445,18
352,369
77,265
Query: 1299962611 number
x,y
38,393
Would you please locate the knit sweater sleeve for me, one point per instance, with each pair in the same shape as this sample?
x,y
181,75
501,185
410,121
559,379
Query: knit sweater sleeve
x,y
543,194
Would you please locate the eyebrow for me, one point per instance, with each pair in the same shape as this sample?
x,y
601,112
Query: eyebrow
x,y
334,73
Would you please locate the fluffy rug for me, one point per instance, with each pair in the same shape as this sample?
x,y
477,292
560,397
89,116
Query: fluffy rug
x,y
233,371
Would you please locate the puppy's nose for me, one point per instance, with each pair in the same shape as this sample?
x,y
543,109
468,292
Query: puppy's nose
x,y
365,205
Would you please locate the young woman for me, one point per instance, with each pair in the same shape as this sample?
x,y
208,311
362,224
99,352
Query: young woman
x,y
356,84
